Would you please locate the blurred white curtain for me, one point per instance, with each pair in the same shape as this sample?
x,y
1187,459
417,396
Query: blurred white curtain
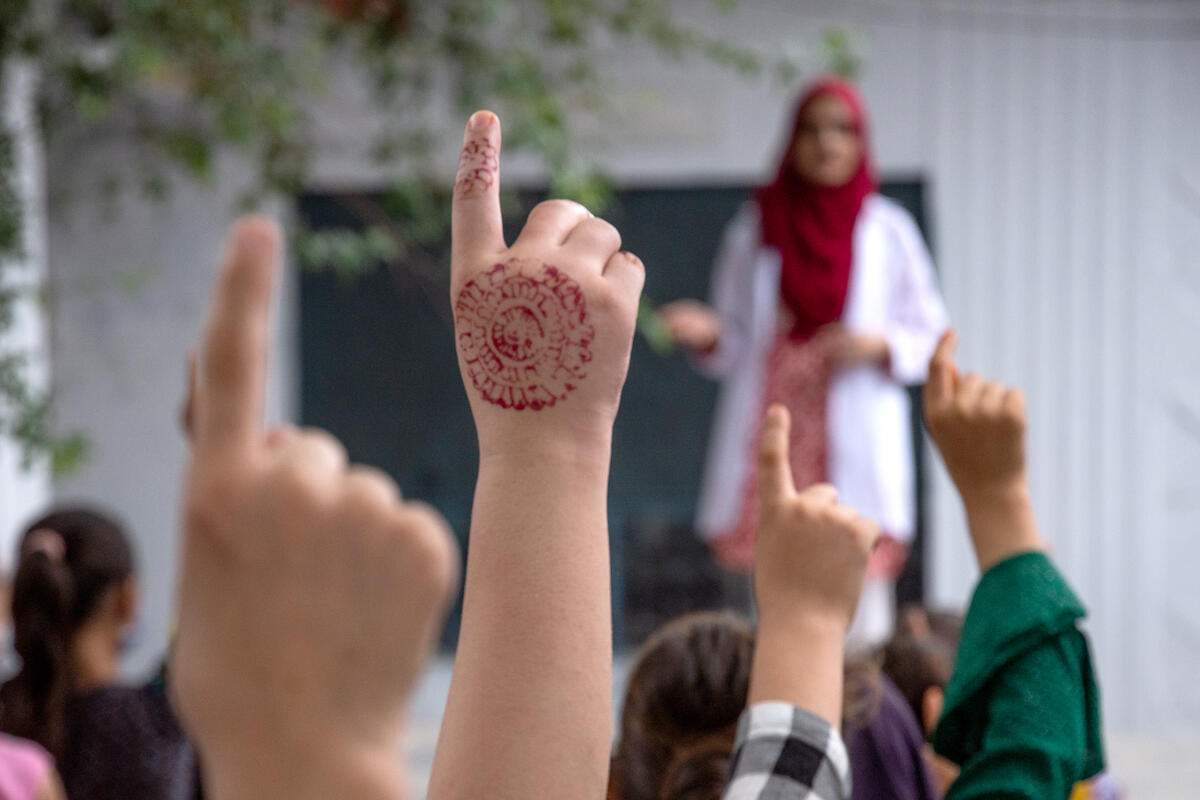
x,y
24,490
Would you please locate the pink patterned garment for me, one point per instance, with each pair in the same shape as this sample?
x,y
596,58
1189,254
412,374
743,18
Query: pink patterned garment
x,y
798,377
24,768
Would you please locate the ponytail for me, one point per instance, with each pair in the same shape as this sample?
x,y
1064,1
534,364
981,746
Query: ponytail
x,y
68,561
34,702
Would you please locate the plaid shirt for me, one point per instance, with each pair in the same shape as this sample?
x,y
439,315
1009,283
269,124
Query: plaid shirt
x,y
786,753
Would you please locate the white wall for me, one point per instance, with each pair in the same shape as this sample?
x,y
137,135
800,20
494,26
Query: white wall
x,y
1059,140
1060,144
23,491
130,287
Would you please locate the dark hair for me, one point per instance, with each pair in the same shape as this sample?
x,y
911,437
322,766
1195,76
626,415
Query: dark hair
x,y
55,590
921,655
686,690
700,771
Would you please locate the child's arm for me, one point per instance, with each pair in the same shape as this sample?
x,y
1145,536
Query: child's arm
x,y
1022,712
811,557
979,428
310,593
544,330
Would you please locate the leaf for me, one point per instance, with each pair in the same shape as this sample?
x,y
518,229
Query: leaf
x,y
191,150
650,326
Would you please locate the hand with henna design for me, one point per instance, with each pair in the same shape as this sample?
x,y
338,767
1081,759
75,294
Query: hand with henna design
x,y
544,329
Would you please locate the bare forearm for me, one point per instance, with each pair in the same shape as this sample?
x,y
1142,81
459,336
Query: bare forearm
x,y
799,660
1002,524
317,775
529,707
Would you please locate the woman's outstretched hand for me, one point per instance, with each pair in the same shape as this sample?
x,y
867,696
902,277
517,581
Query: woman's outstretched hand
x,y
691,324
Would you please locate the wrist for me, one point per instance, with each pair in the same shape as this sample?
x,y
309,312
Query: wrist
x,y
320,772
1001,522
1010,494
803,620
798,659
577,449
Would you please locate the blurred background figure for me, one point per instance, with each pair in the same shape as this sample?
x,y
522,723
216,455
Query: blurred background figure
x,y
74,601
1046,152
824,300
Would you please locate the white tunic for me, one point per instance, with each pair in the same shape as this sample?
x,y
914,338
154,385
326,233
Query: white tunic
x,y
892,293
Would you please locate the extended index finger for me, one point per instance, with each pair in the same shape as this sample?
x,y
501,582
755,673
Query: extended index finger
x,y
775,482
939,387
229,405
477,227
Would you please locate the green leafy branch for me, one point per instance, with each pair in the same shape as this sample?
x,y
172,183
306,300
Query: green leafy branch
x,y
185,81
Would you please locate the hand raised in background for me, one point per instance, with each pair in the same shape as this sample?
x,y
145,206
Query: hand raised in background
x,y
979,428
811,556
310,592
811,551
544,327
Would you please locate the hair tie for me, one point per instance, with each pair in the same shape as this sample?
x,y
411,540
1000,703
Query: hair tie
x,y
48,542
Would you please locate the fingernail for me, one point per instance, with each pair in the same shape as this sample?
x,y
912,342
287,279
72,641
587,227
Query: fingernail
x,y
480,120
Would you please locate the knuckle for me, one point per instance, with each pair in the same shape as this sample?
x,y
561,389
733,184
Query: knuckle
x,y
428,542
369,487
608,230
301,484
558,206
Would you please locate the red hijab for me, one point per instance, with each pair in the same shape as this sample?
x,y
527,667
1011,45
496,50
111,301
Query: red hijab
x,y
812,226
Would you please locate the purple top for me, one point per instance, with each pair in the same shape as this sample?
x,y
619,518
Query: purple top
x,y
887,756
24,767
125,743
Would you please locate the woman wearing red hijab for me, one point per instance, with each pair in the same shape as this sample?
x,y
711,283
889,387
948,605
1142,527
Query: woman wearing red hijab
x,y
824,300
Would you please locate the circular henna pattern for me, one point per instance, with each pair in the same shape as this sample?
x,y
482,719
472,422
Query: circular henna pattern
x,y
524,334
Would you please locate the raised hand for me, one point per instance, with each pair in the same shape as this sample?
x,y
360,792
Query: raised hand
x,y
811,551
544,327
310,592
979,428
809,564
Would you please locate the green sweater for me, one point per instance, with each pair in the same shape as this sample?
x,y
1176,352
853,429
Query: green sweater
x,y
1022,711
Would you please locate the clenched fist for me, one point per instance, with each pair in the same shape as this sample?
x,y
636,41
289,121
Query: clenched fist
x,y
310,591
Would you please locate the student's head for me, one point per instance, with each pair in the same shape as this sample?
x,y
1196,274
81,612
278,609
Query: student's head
x,y
920,658
828,140
687,688
699,771
73,597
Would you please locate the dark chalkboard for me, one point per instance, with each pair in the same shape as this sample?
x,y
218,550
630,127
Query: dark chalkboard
x,y
378,371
